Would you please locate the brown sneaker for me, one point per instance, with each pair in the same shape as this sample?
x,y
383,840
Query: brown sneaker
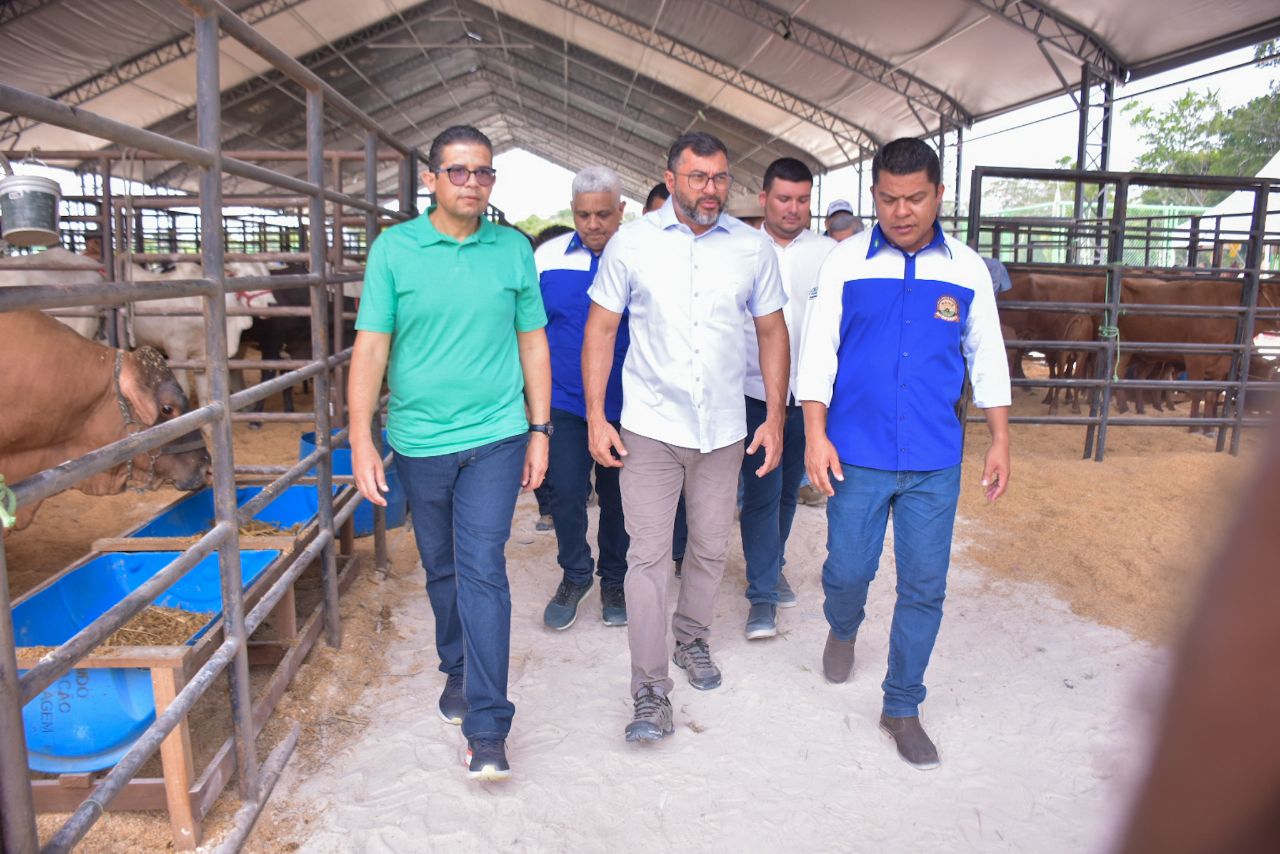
x,y
811,495
837,658
914,745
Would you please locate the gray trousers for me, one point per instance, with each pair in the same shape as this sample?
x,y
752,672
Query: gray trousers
x,y
652,477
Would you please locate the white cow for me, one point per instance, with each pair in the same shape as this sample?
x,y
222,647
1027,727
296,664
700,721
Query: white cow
x,y
182,338
69,269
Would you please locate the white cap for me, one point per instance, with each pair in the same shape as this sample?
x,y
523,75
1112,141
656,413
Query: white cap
x,y
839,206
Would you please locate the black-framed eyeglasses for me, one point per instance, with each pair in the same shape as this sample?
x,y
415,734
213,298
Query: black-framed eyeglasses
x,y
698,180
458,175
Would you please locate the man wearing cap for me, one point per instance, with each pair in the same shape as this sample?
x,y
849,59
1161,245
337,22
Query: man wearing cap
x,y
898,315
689,276
841,222
769,502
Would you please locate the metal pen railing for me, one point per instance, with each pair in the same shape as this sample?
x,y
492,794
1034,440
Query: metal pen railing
x,y
17,821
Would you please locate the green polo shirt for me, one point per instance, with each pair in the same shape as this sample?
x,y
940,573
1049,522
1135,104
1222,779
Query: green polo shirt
x,y
452,309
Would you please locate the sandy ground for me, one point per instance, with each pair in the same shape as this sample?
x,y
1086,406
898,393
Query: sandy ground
x,y
1061,599
1035,711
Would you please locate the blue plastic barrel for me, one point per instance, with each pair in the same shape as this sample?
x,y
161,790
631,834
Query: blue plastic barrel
x,y
363,517
88,719
194,514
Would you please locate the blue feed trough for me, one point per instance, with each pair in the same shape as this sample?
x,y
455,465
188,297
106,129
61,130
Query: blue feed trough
x,y
194,514
363,516
88,719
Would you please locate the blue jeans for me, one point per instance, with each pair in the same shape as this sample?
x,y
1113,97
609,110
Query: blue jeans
x,y
569,476
924,511
769,503
461,505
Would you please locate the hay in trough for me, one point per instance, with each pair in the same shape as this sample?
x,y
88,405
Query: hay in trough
x,y
153,626
258,528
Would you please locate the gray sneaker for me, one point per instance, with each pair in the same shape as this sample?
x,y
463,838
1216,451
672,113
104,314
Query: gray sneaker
x,y
652,719
613,606
837,658
914,744
762,621
786,596
562,610
694,658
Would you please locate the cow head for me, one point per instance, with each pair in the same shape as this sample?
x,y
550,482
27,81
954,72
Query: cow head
x,y
150,395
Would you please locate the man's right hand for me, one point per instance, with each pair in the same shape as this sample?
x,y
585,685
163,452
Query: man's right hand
x,y
366,465
820,457
602,441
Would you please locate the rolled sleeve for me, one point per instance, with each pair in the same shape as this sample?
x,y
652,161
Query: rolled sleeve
x,y
820,344
612,286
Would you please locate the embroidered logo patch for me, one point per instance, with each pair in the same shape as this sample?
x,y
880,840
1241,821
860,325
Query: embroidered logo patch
x,y
813,292
948,309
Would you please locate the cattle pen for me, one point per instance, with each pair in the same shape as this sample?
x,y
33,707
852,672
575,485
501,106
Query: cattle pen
x,y
1101,242
255,777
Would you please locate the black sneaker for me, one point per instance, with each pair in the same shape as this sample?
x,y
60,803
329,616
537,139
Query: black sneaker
x,y
762,621
562,610
653,718
487,759
544,523
914,745
695,659
679,567
453,700
613,606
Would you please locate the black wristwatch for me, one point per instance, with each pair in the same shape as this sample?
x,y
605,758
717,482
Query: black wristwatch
x,y
547,428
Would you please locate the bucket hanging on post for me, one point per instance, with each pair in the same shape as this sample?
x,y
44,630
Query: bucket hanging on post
x,y
28,208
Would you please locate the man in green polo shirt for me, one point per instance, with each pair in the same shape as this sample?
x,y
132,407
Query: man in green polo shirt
x,y
452,314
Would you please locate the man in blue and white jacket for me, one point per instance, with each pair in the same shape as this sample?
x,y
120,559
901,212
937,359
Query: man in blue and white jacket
x,y
898,314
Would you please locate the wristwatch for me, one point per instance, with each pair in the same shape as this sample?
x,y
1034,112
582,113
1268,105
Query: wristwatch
x,y
547,428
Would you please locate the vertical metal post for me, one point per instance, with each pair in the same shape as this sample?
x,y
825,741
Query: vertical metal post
x,y
409,184
1082,143
209,124
339,409
114,316
1249,291
17,815
320,351
1115,265
370,233
862,165
975,208
960,175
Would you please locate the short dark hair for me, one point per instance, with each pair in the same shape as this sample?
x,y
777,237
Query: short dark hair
x,y
659,193
548,233
701,144
787,169
452,136
906,156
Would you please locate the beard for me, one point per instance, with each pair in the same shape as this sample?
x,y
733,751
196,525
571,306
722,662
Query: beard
x,y
689,207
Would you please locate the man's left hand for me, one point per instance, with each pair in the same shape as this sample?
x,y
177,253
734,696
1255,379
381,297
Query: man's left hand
x,y
535,461
995,470
768,435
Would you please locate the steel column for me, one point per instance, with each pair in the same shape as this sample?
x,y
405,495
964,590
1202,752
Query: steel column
x,y
320,351
17,815
209,124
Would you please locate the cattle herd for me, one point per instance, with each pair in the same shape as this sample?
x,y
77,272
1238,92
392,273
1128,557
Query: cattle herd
x,y
1078,329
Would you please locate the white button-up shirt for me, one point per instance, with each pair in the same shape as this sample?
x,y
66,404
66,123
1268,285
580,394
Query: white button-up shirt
x,y
688,297
799,262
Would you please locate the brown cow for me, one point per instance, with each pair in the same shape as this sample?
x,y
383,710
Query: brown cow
x,y
1066,363
63,396
1199,330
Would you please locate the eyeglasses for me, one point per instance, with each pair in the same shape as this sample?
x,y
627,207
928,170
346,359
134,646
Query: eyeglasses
x,y
458,175
698,180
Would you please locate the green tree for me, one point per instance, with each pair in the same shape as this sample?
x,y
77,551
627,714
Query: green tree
x,y
535,223
1194,136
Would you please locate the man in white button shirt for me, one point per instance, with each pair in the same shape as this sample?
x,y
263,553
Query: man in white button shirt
x,y
688,276
769,502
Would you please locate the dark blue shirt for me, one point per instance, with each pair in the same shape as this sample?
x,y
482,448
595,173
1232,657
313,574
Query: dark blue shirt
x,y
566,269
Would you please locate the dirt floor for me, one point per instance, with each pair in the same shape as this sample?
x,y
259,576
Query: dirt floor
x,y
1122,542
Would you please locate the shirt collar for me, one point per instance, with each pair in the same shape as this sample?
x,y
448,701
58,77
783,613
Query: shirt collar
x,y
575,244
428,235
804,236
667,219
878,241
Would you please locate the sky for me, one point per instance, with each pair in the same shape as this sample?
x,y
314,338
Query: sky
x,y
544,188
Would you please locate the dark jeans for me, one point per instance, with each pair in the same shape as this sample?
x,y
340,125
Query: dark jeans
x,y
769,503
461,505
569,476
923,504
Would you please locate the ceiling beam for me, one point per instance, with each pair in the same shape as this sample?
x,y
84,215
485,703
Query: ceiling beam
x,y
919,92
1054,28
849,137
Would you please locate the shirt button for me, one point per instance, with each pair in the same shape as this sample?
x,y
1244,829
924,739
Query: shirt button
x,y
904,354
904,385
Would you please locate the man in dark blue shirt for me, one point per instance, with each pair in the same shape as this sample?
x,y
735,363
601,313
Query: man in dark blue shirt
x,y
566,267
